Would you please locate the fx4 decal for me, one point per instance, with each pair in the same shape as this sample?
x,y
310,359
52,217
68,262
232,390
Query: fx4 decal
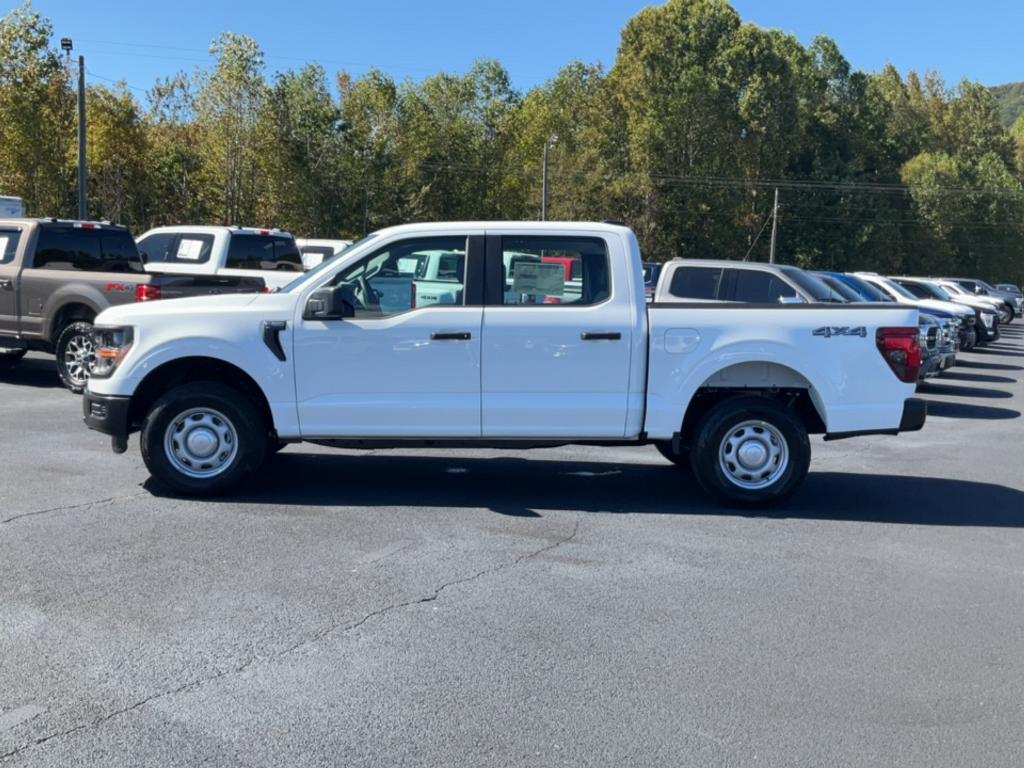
x,y
829,331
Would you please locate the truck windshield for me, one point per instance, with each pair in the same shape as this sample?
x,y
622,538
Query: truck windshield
x,y
897,288
324,265
813,286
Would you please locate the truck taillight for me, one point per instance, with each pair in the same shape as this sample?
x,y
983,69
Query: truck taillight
x,y
147,293
901,348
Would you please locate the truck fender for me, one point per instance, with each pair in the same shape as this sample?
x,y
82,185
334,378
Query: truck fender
x,y
757,364
72,293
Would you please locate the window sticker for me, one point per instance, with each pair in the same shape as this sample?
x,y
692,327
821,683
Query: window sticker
x,y
538,279
190,250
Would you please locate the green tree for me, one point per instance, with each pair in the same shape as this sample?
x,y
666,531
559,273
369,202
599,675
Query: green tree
x,y
228,104
117,146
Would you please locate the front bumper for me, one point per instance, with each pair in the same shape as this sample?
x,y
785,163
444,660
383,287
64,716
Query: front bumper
x,y
108,414
930,367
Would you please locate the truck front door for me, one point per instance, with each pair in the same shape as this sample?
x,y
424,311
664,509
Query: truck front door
x,y
557,341
408,363
9,239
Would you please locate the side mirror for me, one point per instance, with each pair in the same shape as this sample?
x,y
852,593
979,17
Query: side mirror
x,y
792,300
333,303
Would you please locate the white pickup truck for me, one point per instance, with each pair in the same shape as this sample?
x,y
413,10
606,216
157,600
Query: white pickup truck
x,y
225,251
536,358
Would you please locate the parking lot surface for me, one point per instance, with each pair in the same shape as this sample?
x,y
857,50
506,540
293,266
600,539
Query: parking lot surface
x,y
572,606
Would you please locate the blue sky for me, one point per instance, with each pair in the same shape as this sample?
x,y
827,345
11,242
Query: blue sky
x,y
140,40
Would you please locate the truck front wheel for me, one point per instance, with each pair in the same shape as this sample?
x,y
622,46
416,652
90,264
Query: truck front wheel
x,y
750,452
74,350
203,438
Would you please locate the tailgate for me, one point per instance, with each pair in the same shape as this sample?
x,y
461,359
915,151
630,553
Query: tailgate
x,y
182,286
830,348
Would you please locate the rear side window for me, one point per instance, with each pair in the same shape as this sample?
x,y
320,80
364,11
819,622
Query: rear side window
x,y
264,252
555,271
696,282
8,244
756,287
86,250
155,249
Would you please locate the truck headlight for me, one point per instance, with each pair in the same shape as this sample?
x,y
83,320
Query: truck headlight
x,y
111,346
987,318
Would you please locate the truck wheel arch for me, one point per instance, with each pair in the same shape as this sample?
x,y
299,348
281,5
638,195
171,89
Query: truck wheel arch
x,y
765,379
184,370
71,312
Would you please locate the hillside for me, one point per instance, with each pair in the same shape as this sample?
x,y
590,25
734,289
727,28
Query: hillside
x,y
1011,101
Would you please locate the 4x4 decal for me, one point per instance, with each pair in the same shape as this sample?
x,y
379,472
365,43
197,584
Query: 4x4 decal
x,y
829,331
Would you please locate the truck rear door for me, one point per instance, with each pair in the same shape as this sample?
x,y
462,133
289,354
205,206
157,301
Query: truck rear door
x,y
10,236
556,350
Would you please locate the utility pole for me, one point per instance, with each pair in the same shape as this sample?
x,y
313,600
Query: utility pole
x,y
544,189
83,203
775,226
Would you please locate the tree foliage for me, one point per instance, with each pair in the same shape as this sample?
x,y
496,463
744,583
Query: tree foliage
x,y
686,138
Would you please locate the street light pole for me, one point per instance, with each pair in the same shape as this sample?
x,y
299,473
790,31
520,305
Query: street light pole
x,y
775,226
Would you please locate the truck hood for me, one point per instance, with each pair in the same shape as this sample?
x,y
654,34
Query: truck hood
x,y
952,307
129,313
991,305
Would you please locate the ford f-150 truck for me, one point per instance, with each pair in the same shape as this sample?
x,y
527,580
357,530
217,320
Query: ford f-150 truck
x,y
56,276
269,254
731,391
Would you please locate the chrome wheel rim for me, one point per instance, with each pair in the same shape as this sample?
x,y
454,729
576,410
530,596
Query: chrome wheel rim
x,y
78,356
753,455
201,443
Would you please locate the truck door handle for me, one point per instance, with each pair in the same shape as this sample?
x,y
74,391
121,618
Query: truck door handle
x,y
600,336
6,285
460,336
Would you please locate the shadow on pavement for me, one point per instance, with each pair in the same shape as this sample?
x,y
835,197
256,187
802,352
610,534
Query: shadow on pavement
x,y
968,411
526,487
33,372
952,390
979,377
960,363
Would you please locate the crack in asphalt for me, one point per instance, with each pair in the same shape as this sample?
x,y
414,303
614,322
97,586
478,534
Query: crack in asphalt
x,y
314,638
66,507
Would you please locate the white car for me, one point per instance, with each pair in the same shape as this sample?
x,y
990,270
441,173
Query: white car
x,y
218,250
315,251
732,391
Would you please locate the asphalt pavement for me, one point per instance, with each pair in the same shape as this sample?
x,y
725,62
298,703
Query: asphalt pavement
x,y
571,606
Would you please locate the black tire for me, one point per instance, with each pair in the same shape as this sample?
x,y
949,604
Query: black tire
x,y
73,350
729,416
681,459
275,446
10,358
227,412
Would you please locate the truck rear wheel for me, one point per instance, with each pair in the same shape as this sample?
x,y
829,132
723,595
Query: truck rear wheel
x,y
750,452
74,350
203,438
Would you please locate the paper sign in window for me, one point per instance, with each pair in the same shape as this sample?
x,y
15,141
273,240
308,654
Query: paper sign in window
x,y
538,279
190,250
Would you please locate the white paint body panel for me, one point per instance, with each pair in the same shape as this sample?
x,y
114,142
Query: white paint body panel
x,y
525,372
